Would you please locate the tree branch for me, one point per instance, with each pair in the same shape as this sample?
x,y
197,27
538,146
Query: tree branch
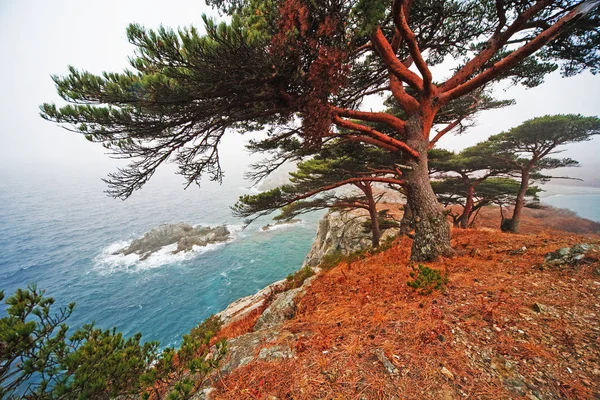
x,y
376,135
511,60
384,118
494,44
441,133
385,51
399,14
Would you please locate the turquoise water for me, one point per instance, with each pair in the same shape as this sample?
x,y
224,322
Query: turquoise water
x,y
61,233
585,201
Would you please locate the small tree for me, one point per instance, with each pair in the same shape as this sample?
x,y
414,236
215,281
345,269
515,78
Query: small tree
x,y
463,172
311,187
528,147
500,191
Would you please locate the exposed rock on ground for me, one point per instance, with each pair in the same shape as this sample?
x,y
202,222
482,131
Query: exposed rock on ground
x,y
246,305
571,255
185,235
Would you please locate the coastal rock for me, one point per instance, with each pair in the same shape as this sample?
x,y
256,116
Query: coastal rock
x,y
242,307
281,309
341,233
185,235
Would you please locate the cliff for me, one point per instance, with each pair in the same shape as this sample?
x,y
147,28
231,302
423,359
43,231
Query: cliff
x,y
518,318
342,233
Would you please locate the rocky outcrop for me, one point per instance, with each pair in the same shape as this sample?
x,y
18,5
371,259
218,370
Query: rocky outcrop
x,y
244,306
571,255
341,233
186,237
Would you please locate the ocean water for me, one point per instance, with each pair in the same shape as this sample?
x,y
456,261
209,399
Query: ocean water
x,y
585,201
62,233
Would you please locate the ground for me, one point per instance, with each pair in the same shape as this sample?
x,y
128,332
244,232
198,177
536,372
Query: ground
x,y
507,325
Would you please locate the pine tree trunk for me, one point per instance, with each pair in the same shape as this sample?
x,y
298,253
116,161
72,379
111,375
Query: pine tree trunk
x,y
375,230
463,220
407,223
432,230
512,224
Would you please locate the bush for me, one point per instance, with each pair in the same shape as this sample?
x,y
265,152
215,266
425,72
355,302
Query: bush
x,y
426,280
39,360
297,279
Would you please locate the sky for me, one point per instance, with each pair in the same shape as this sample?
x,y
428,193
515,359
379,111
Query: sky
x,y
41,38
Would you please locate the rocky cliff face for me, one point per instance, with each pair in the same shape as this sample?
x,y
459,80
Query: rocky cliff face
x,y
341,233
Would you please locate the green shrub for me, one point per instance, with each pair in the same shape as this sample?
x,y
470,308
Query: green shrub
x,y
296,279
426,280
39,360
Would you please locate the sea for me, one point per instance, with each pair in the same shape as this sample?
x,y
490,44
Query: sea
x,y
62,232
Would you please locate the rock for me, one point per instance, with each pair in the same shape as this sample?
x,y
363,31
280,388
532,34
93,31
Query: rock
x,y
447,373
538,308
204,237
183,234
281,309
275,353
208,393
389,367
342,233
242,307
570,255
242,349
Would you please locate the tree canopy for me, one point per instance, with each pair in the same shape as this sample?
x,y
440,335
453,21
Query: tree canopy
x,y
529,146
307,66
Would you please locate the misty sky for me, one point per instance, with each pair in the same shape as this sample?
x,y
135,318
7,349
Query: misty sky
x,y
40,38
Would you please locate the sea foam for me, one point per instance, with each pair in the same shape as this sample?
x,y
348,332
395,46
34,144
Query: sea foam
x,y
109,261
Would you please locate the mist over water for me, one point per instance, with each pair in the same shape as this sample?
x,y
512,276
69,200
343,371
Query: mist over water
x,y
62,235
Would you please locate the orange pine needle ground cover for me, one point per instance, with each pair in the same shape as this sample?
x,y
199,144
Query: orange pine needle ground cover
x,y
482,329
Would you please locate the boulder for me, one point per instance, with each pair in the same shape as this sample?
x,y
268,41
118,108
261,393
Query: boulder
x,y
281,309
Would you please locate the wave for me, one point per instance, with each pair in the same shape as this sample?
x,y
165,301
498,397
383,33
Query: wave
x,y
276,227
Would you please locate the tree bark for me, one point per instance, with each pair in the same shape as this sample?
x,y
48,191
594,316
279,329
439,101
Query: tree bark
x,y
463,220
512,224
432,230
375,230
407,223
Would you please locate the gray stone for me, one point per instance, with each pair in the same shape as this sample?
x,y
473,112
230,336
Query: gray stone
x,y
281,309
242,349
342,233
185,235
275,353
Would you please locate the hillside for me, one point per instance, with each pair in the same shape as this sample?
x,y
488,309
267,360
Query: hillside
x,y
507,325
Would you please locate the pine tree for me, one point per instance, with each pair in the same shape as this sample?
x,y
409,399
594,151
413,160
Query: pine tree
x,y
309,65
316,182
529,146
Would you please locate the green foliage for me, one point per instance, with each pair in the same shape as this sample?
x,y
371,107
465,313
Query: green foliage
x,y
425,279
297,279
39,360
529,145
331,260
